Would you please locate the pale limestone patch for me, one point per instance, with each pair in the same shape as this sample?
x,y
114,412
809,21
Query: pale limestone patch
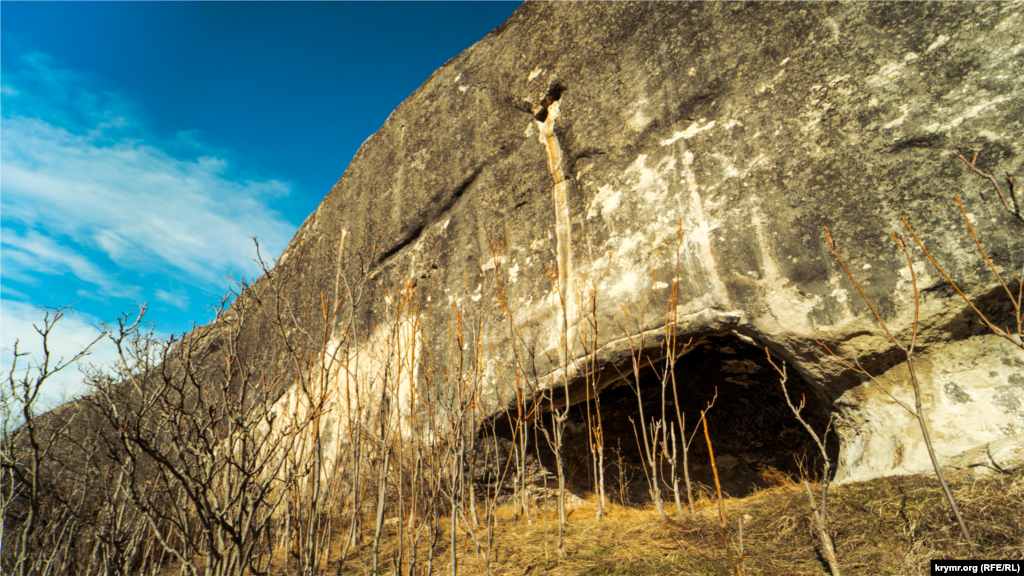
x,y
351,377
605,201
638,121
536,72
905,110
652,184
841,295
493,263
939,42
698,233
885,75
969,399
625,284
790,309
628,243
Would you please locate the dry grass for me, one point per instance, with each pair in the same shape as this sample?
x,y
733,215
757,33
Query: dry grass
x,y
885,526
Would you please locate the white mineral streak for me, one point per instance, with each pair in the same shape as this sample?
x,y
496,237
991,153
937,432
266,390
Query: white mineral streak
x,y
563,232
698,232
338,265
691,131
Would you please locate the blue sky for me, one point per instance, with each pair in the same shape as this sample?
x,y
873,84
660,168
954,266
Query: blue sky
x,y
143,144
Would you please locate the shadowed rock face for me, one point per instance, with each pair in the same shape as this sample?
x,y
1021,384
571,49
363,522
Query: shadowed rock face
x,y
586,161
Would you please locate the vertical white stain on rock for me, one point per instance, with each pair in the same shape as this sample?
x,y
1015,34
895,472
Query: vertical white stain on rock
x,y
563,225
698,231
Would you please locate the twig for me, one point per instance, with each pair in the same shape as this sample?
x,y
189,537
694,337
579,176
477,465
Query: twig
x,y
1007,333
972,164
718,486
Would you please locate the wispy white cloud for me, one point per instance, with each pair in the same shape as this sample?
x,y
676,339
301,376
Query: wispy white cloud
x,y
27,255
96,194
12,293
177,298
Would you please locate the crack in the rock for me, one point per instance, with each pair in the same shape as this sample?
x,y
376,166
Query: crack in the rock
x,y
554,95
436,216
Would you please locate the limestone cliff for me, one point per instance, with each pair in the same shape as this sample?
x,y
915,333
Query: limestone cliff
x,y
590,170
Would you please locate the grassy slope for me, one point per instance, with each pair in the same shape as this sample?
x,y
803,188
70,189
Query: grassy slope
x,y
886,526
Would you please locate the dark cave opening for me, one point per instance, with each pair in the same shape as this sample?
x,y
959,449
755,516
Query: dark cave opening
x,y
753,433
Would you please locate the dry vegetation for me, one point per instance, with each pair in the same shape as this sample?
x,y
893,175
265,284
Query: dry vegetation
x,y
892,525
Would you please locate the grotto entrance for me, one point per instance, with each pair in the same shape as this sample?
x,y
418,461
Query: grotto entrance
x,y
755,437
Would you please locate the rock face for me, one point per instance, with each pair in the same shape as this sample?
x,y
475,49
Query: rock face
x,y
591,173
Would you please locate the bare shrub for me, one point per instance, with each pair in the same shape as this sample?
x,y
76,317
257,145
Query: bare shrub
x,y
819,504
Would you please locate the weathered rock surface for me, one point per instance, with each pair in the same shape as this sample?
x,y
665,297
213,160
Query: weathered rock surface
x,y
583,159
